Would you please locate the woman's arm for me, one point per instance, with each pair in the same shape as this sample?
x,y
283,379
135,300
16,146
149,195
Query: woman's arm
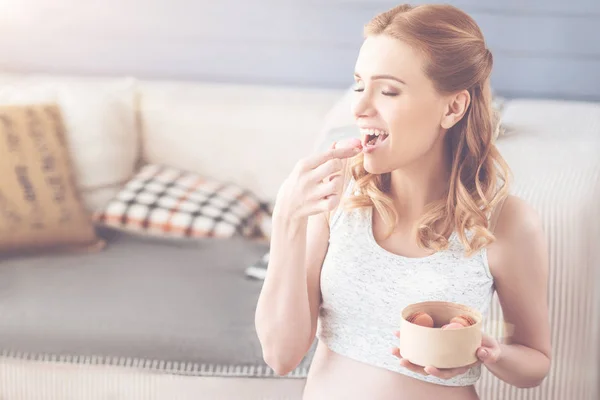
x,y
519,263
287,309
288,305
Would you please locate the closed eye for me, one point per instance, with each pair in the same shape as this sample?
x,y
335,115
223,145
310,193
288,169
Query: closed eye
x,y
390,94
383,92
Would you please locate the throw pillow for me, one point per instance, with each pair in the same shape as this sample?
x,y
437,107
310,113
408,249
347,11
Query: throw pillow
x,y
40,206
169,202
99,115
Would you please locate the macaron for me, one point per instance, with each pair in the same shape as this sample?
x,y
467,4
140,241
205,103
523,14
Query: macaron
x,y
421,318
464,320
453,325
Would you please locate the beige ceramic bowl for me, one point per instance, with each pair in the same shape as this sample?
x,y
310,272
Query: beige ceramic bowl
x,y
435,347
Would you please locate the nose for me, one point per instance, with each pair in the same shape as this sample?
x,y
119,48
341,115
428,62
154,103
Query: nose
x,y
362,106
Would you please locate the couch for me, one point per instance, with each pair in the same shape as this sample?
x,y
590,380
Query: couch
x,y
152,317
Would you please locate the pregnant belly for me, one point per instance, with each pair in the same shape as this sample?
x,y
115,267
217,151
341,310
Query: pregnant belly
x,y
333,376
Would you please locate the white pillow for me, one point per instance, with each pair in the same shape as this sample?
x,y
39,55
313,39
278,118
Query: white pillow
x,y
250,135
100,119
550,118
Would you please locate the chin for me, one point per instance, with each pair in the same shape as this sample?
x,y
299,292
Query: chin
x,y
374,166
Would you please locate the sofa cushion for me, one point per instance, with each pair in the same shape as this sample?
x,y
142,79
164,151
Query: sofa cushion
x,y
40,206
165,201
100,120
183,306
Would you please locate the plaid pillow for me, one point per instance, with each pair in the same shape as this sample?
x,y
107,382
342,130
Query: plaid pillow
x,y
166,201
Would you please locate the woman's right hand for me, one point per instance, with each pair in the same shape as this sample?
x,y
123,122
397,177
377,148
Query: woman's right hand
x,y
315,184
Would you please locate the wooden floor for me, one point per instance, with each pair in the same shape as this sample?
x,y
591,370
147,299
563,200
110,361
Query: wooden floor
x,y
24,380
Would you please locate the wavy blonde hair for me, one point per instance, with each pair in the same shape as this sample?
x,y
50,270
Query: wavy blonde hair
x,y
456,58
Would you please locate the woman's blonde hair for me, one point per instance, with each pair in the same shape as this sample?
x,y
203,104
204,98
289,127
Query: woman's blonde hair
x,y
456,58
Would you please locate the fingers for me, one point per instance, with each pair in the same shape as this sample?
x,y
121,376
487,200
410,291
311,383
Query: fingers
x,y
320,206
316,180
316,160
329,188
412,367
490,350
329,203
488,355
445,373
329,194
405,363
326,169
325,197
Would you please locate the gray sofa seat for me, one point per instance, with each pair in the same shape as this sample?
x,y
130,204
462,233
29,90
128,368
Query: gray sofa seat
x,y
171,305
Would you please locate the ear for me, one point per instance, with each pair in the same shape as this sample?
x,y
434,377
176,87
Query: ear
x,y
455,109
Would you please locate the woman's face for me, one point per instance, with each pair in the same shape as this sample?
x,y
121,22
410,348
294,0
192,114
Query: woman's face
x,y
396,101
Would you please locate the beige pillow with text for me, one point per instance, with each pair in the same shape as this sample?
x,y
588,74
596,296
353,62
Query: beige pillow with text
x,y
40,206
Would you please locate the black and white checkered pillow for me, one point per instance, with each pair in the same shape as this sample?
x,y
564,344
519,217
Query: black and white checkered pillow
x,y
166,201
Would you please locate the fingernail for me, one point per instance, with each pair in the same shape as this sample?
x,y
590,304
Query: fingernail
x,y
483,353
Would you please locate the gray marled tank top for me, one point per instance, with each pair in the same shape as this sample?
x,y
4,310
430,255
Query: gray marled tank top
x,y
365,287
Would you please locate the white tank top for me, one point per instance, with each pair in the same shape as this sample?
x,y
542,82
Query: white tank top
x,y
365,287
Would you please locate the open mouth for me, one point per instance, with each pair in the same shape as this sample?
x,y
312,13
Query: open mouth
x,y
372,137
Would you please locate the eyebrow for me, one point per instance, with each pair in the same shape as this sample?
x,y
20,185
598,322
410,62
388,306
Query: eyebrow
x,y
375,77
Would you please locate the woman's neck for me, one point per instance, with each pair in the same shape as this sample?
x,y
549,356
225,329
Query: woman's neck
x,y
415,186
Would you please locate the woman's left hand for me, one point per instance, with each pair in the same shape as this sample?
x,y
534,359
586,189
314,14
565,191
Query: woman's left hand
x,y
488,353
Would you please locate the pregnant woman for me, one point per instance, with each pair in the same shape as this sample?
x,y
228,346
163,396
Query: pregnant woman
x,y
416,210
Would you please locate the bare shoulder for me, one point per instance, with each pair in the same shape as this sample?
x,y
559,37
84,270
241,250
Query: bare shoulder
x,y
518,218
519,238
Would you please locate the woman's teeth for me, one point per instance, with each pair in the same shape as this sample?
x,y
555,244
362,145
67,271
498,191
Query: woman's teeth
x,y
372,136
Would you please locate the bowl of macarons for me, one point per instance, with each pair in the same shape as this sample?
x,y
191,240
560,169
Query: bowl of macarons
x,y
440,334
